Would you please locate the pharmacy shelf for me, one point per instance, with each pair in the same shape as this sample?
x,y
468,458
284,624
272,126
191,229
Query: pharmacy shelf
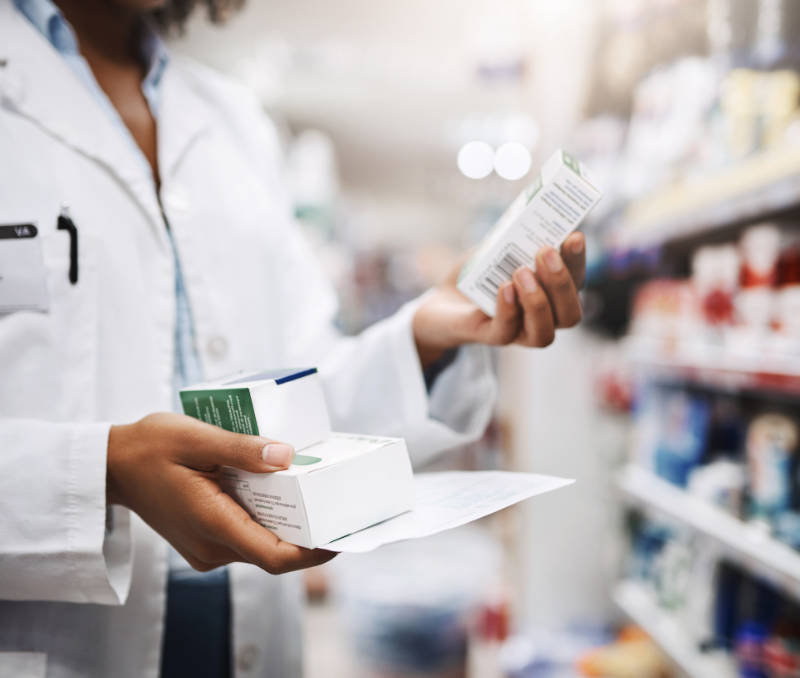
x,y
722,371
669,634
739,542
760,187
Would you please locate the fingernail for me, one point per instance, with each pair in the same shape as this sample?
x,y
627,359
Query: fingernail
x,y
576,246
508,293
277,454
553,261
527,279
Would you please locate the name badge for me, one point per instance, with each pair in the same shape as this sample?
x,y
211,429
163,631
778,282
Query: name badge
x,y
23,278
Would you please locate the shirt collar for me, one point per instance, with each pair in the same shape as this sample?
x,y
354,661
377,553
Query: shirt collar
x,y
50,22
155,55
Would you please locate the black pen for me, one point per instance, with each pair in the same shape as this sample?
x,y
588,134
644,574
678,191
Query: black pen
x,y
66,224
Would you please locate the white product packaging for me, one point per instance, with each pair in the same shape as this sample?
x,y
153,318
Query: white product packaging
x,y
544,214
337,484
333,488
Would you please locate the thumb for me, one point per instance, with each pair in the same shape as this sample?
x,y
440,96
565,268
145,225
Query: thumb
x,y
206,446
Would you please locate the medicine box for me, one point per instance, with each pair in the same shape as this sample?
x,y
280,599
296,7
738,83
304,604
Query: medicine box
x,y
333,488
285,405
544,214
337,484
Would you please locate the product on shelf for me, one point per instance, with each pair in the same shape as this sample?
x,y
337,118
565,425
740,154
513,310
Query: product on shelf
x,y
757,109
759,248
750,641
672,432
739,310
664,314
740,112
633,655
715,275
727,614
782,653
728,451
787,303
721,483
771,447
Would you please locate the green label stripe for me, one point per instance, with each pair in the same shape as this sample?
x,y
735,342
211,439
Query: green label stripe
x,y
305,460
571,162
533,189
228,408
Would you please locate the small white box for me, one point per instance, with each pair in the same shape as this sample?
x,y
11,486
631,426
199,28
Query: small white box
x,y
285,405
335,487
544,214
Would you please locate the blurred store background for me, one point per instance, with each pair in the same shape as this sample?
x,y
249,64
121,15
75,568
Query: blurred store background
x,y
408,128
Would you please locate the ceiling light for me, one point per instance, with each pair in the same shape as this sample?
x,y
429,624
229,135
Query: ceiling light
x,y
512,161
476,159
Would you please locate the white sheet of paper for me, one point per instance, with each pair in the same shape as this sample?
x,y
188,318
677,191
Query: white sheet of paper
x,y
449,499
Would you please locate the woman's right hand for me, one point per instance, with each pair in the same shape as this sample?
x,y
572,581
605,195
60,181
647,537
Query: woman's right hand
x,y
166,468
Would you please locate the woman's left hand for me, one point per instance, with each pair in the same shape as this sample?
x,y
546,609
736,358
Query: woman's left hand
x,y
530,308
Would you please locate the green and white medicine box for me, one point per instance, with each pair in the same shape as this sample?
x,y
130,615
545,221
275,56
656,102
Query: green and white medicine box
x,y
337,484
285,405
544,214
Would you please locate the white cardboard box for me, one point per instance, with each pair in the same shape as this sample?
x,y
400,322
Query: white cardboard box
x,y
285,405
334,488
544,214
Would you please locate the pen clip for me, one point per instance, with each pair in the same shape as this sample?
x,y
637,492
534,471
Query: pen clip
x,y
65,223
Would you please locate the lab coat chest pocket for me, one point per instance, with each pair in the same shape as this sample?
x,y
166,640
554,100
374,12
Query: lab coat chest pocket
x,y
50,354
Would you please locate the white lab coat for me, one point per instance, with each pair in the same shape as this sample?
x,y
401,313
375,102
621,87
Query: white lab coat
x,y
103,353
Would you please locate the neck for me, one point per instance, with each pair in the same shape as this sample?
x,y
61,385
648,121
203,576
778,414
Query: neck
x,y
104,29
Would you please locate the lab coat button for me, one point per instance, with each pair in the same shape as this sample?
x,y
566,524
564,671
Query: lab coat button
x,y
177,201
246,657
217,347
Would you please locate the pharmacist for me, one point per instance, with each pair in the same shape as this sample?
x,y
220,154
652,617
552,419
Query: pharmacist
x,y
146,241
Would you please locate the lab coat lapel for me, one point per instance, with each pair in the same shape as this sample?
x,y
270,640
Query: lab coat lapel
x,y
35,82
182,119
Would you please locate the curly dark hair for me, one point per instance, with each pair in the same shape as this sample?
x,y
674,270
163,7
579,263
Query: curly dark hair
x,y
173,15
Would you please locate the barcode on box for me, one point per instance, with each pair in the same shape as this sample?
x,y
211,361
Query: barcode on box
x,y
501,270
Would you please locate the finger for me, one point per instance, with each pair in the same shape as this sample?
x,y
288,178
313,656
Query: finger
x,y
538,323
225,522
206,556
505,325
557,283
573,252
204,447
261,547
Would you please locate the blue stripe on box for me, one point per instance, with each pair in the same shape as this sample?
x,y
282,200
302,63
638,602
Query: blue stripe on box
x,y
296,375
278,376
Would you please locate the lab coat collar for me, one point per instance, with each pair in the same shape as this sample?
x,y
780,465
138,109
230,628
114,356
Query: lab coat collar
x,y
183,117
37,83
